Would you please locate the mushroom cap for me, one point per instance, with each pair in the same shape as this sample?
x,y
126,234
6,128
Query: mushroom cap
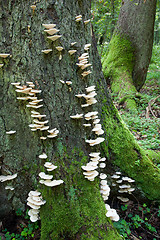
x,y
96,121
112,214
115,176
49,26
77,116
123,199
59,48
73,43
102,165
128,179
51,31
16,84
87,125
103,182
54,37
39,122
43,138
94,154
85,105
34,193
87,21
44,128
103,176
125,186
37,203
46,51
119,181
1,65
43,156
7,177
89,168
32,212
9,188
95,141
45,176
34,218
68,82
4,55
102,159
53,183
10,132
90,89
33,205
72,51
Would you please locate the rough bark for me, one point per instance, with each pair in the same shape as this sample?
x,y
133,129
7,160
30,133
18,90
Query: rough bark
x,y
126,63
74,210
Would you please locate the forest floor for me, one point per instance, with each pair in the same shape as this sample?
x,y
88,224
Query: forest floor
x,y
141,220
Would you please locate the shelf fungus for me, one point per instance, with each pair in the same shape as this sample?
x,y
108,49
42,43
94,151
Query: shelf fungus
x,y
9,188
112,214
73,43
49,26
87,21
43,156
90,89
71,52
7,177
63,82
87,125
80,95
34,201
50,183
51,31
95,141
4,55
45,176
53,133
90,173
34,106
68,82
77,116
78,18
46,51
130,180
43,138
103,176
87,46
105,191
54,37
10,132
123,199
50,166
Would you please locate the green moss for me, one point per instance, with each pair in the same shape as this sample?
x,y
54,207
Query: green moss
x,y
129,156
75,209
118,65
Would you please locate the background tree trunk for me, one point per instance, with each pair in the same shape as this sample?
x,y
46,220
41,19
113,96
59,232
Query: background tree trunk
x,y
75,209
126,63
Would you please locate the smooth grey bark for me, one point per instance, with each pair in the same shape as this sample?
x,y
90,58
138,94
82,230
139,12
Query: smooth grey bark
x,y
136,22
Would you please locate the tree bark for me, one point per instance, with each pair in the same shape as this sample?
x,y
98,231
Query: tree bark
x,y
126,63
75,209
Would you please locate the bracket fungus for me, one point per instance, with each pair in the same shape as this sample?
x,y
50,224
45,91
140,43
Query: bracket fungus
x,y
7,177
45,176
54,37
43,156
87,21
71,52
46,51
50,166
34,201
49,26
95,141
77,116
4,55
78,18
10,132
112,214
51,31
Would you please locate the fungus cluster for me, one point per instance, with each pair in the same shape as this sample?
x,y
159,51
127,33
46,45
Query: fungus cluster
x,y
35,201
46,179
83,63
124,186
78,18
51,30
30,94
111,213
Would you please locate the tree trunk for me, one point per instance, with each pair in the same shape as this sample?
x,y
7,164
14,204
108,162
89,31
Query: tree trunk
x,y
126,63
75,209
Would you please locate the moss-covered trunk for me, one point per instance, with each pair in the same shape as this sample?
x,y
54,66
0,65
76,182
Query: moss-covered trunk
x,y
126,62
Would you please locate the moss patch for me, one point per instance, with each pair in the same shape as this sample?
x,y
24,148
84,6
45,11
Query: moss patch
x,y
75,209
117,65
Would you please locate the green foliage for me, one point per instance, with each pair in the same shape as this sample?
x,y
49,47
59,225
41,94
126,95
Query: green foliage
x,y
135,220
27,231
105,14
